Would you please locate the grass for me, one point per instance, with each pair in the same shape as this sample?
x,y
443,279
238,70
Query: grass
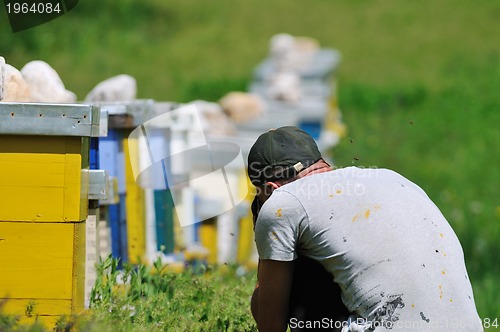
x,y
158,300
418,84
154,299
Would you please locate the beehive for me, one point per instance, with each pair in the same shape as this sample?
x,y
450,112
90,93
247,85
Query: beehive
x,y
44,161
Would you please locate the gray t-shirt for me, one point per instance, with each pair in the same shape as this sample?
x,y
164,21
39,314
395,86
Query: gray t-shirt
x,y
397,260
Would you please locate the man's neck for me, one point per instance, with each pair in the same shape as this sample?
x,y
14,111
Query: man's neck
x,y
320,166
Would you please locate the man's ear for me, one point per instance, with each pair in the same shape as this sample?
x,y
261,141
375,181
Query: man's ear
x,y
274,185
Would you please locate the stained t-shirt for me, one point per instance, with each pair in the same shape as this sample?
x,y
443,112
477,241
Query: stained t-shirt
x,y
398,262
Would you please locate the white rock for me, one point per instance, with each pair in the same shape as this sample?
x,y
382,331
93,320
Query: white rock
x,y
281,44
15,88
116,88
307,45
2,76
213,119
46,85
241,106
292,53
282,51
284,86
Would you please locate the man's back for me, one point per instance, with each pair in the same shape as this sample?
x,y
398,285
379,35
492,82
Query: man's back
x,y
395,257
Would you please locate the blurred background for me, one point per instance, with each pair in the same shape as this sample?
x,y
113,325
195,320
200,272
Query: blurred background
x,y
418,84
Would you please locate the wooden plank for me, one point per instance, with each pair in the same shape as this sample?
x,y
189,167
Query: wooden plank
x,y
109,159
134,202
41,178
121,121
90,255
45,311
44,263
37,307
123,230
36,260
208,238
74,208
78,275
103,237
164,208
2,77
245,240
37,204
115,231
150,226
246,235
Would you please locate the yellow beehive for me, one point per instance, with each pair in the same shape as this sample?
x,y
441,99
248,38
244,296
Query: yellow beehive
x,y
208,238
246,236
41,178
42,269
134,204
44,162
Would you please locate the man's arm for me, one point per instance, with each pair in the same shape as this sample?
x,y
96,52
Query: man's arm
x,y
255,296
272,295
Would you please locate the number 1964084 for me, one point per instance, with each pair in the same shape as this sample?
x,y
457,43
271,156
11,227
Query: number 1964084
x,y
33,8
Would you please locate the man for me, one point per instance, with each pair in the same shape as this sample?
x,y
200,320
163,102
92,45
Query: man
x,y
313,294
397,261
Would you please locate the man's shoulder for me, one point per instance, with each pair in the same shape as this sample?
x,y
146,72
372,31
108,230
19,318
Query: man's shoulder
x,y
282,205
281,198
351,173
363,172
361,183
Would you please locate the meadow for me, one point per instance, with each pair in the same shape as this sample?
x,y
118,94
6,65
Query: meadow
x,y
418,87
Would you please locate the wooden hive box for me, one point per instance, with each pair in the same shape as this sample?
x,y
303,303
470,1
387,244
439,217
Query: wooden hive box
x,y
44,161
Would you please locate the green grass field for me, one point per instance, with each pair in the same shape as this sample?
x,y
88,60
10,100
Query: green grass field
x,y
418,85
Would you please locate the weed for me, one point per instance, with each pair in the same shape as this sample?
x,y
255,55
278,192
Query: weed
x,y
30,308
161,300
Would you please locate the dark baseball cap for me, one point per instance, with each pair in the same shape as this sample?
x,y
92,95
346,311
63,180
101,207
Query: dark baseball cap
x,y
280,154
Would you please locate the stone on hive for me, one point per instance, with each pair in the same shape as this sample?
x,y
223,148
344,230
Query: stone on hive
x,y
2,76
116,88
284,86
213,119
15,88
241,106
46,85
292,53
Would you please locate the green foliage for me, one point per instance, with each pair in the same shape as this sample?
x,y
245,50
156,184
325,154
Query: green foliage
x,y
212,89
107,274
365,98
155,299
9,323
30,309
